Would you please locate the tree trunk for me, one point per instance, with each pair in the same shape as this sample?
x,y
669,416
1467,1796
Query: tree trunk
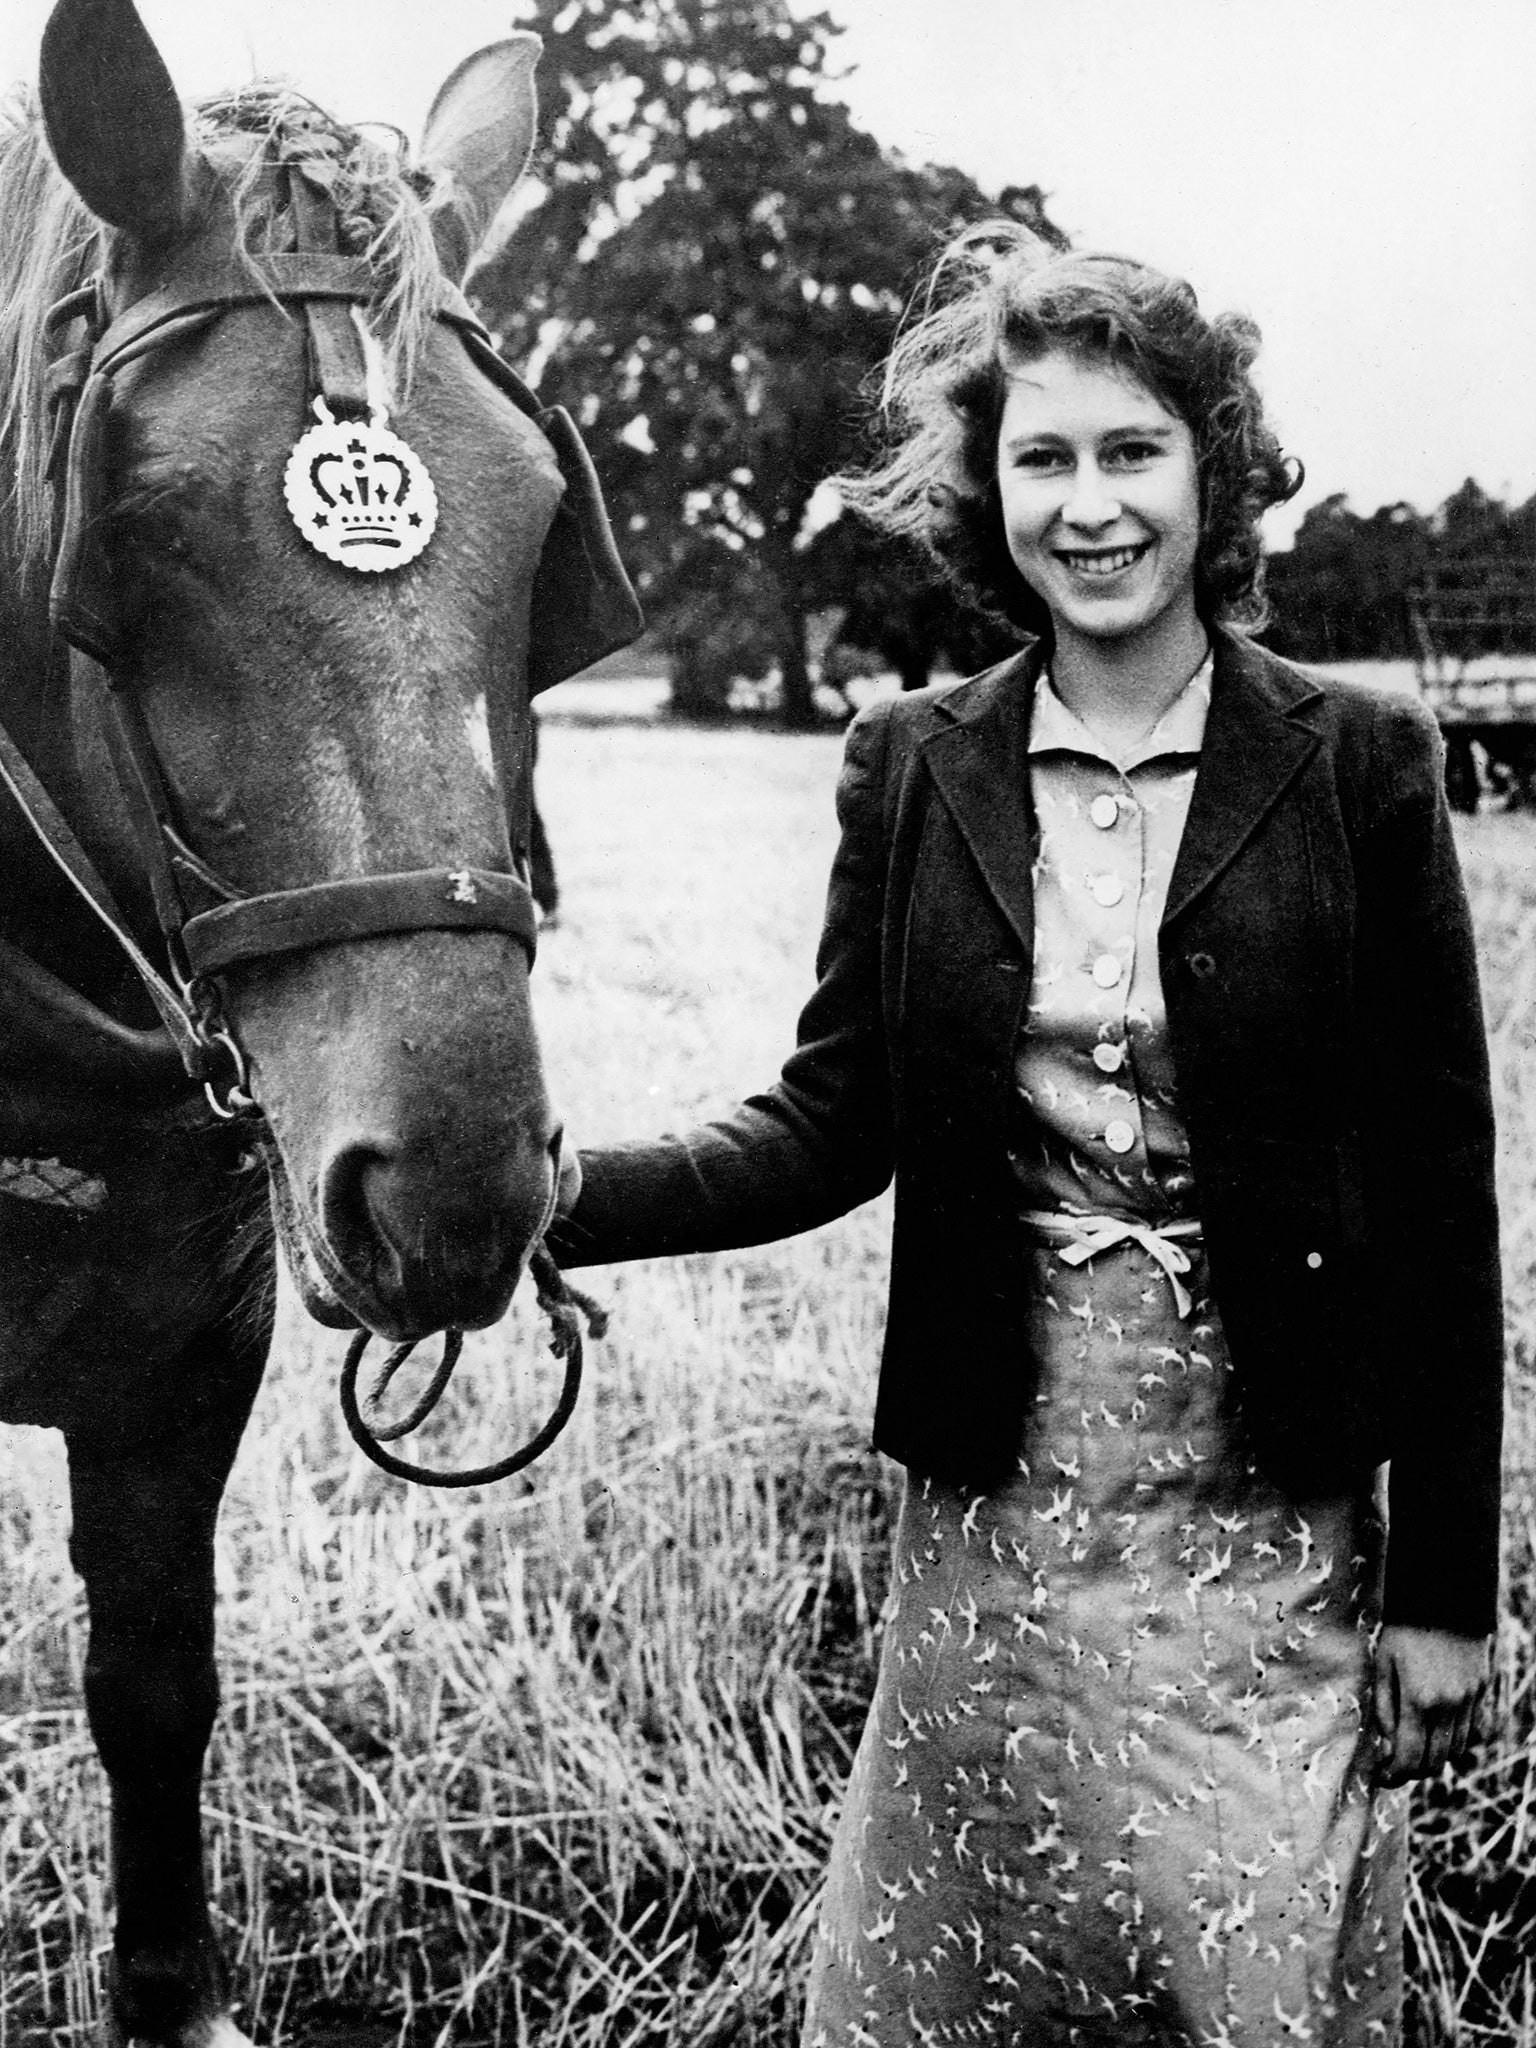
x,y
798,705
701,689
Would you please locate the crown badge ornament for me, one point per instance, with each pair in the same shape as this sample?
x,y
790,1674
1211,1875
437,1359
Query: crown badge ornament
x,y
359,494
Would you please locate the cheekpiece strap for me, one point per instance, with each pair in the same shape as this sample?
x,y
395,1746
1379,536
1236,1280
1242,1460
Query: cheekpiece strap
x,y
65,850
144,792
80,606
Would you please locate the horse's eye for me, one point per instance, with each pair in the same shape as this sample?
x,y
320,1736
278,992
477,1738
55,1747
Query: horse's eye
x,y
154,517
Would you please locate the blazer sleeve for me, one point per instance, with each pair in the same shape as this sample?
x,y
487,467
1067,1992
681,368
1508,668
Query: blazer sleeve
x,y
817,1143
1431,1153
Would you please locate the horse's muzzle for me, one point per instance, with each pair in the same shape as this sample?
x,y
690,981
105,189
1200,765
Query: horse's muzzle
x,y
417,1250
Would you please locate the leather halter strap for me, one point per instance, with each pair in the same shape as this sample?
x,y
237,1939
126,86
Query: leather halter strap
x,y
53,829
358,907
216,286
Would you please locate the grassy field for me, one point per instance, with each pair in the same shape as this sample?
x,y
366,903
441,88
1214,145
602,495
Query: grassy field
x,y
558,1765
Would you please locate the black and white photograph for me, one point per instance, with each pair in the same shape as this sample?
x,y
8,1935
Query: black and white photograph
x,y
767,1024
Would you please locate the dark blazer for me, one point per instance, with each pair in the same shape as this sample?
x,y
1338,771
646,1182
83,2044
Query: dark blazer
x,y
1321,989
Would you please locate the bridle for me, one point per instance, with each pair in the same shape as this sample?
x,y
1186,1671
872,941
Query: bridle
x,y
582,607
207,925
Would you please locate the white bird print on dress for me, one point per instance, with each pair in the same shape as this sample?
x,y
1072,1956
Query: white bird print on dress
x,y
1302,1535
1297,2026
884,1927
1219,2036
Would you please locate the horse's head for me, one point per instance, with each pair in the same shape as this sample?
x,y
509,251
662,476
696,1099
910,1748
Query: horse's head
x,y
311,722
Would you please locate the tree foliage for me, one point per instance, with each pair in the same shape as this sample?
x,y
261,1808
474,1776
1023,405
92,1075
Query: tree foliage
x,y
1397,583
708,265
897,611
714,259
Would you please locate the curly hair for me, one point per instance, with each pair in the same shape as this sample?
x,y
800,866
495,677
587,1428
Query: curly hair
x,y
999,298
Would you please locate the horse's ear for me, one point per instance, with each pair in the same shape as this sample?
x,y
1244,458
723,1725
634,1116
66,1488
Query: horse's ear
x,y
113,118
480,133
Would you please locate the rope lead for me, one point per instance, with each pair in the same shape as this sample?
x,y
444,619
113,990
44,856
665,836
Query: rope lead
x,y
563,1304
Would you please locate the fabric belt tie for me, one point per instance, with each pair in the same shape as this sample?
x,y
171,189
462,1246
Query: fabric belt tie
x,y
1090,1235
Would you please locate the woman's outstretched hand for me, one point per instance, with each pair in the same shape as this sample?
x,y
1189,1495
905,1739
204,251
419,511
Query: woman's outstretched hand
x,y
1427,1686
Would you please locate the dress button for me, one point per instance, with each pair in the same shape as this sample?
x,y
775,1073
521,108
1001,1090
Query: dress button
x,y
1314,1260
1109,1059
1105,812
1106,889
1120,1136
1202,965
1106,970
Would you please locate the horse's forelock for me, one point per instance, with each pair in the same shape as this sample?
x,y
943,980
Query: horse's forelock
x,y
384,208
52,244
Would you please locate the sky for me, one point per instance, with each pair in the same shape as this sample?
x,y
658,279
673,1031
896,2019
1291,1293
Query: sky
x,y
1359,175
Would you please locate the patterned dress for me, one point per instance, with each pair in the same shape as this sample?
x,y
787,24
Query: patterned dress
x,y
1115,1783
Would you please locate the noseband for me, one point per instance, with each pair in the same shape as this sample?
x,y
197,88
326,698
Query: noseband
x,y
208,926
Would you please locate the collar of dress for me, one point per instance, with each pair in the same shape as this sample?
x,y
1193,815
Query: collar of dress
x,y
1053,729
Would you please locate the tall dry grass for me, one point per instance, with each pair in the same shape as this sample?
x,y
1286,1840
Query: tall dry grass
x,y
557,1765
1472,1901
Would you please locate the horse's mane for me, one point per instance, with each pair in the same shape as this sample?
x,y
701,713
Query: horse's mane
x,y
48,249
51,244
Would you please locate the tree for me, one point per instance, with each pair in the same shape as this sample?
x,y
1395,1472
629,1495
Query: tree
x,y
715,262
1479,596
1457,584
898,606
1341,592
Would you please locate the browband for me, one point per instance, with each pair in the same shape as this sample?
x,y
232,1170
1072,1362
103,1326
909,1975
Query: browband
x,y
215,285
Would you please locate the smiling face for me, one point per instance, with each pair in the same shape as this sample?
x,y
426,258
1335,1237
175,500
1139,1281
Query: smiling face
x,y
1100,501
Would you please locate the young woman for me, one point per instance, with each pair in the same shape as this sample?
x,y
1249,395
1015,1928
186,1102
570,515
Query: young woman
x,y
1147,971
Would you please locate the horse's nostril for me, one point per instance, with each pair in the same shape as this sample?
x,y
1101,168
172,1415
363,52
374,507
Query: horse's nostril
x,y
348,1218
439,1249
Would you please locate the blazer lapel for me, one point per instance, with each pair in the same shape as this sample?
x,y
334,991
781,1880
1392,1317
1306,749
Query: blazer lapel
x,y
979,759
1255,746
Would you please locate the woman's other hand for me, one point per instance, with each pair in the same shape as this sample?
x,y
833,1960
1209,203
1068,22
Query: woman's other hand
x,y
1428,1683
568,1183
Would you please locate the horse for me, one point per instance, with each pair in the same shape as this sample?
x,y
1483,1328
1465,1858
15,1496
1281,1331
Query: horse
x,y
265,930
